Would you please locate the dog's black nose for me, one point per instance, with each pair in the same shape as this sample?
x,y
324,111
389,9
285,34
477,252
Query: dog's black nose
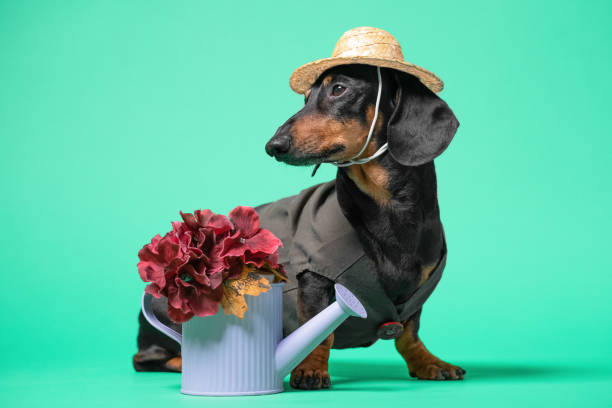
x,y
278,145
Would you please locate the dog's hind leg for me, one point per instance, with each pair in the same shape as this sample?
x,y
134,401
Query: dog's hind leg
x,y
156,351
421,363
314,294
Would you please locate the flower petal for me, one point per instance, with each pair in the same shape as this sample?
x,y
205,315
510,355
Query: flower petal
x,y
152,272
257,258
216,279
174,298
178,316
203,216
233,246
220,224
174,266
149,251
206,305
190,221
263,241
245,219
153,289
273,259
235,268
168,249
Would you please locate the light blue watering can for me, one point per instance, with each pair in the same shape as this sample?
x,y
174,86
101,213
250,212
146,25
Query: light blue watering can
x,y
225,355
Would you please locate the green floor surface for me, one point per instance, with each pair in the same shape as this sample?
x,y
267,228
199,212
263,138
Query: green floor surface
x,y
357,382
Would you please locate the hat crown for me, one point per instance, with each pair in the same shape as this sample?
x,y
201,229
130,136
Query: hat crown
x,y
363,45
368,42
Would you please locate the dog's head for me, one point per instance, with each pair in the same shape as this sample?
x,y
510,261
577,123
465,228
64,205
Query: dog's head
x,y
334,123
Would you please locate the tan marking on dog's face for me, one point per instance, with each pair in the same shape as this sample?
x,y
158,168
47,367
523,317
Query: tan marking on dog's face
x,y
426,273
327,80
315,134
370,117
307,93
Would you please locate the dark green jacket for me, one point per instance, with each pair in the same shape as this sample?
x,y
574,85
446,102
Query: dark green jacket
x,y
318,237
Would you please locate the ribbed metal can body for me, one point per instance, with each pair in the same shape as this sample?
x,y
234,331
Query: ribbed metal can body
x,y
226,355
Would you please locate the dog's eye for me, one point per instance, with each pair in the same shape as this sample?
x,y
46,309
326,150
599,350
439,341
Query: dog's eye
x,y
337,90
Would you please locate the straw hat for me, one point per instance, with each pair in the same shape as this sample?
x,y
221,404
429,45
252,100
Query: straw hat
x,y
363,45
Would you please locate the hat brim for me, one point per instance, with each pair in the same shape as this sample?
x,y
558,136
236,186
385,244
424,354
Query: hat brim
x,y
305,76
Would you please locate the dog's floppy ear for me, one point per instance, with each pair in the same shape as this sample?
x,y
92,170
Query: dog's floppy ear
x,y
421,125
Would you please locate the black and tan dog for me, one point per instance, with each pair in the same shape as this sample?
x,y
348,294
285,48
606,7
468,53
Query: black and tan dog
x,y
390,205
391,202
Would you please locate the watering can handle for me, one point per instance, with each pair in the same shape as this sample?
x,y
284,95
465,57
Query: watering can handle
x,y
147,311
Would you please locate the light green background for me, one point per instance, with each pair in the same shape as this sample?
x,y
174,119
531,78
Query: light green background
x,y
115,115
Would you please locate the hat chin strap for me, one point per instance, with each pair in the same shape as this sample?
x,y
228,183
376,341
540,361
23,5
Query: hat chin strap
x,y
381,150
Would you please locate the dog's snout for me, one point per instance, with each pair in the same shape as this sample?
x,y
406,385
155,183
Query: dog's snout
x,y
279,144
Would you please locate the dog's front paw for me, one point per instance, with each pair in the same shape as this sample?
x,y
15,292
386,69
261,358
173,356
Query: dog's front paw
x,y
437,370
309,378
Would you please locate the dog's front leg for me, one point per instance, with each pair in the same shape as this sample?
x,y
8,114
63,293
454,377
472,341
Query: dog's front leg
x,y
421,363
314,294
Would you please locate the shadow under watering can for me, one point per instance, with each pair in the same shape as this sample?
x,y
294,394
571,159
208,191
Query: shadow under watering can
x,y
224,355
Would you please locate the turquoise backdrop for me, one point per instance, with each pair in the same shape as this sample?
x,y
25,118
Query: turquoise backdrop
x,y
115,115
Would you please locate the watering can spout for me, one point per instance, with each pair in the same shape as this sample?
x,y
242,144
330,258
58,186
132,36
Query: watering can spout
x,y
295,347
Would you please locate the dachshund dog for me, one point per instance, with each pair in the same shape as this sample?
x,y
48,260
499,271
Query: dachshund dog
x,y
390,203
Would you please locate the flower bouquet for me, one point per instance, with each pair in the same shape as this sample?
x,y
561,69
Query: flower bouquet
x,y
210,260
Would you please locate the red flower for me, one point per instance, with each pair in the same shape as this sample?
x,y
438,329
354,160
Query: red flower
x,y
189,264
160,260
218,223
248,244
248,236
